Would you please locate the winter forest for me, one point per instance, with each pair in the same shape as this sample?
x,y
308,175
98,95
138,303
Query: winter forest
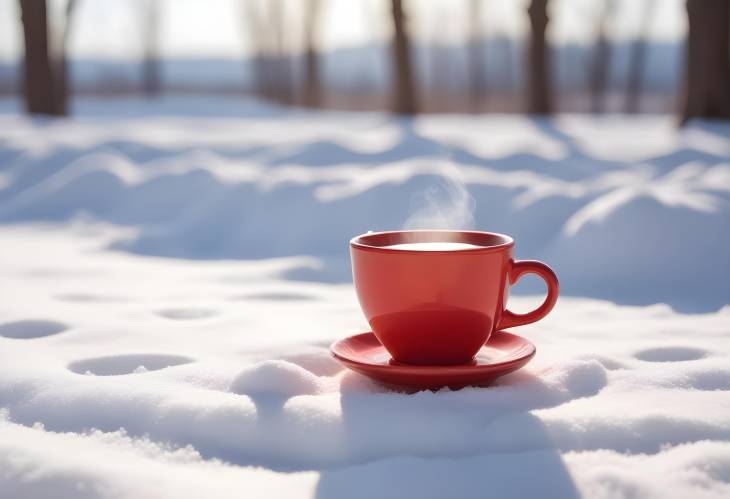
x,y
469,56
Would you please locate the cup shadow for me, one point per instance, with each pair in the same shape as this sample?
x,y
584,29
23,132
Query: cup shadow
x,y
537,474
475,441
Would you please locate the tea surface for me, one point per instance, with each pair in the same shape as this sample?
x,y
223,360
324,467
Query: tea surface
x,y
433,246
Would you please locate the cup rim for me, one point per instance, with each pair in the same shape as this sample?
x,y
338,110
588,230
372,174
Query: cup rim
x,y
358,243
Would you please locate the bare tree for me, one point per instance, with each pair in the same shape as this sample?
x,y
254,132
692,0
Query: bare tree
x,y
476,54
601,58
283,81
150,23
637,59
60,59
45,68
707,72
37,79
404,94
312,92
265,24
254,25
539,99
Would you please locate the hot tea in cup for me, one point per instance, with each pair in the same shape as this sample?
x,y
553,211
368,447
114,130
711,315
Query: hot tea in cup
x,y
435,297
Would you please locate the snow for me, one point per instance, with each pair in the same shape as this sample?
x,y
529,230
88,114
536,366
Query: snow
x,y
173,272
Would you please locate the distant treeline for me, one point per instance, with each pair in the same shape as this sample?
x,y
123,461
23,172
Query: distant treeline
x,y
357,78
484,74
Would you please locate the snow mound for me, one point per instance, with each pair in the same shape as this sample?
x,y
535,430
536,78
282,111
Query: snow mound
x,y
171,281
610,202
274,377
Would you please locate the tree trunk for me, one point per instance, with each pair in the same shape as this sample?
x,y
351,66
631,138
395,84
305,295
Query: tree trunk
x,y
312,85
476,56
538,61
637,60
601,61
271,66
280,59
38,81
254,25
59,62
45,70
707,78
404,97
151,72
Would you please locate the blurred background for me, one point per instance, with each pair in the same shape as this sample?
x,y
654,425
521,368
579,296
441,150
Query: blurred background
x,y
198,126
538,56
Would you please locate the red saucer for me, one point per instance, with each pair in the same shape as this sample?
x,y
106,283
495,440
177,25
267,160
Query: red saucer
x,y
502,354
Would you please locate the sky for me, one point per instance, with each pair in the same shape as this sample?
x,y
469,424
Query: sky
x,y
215,28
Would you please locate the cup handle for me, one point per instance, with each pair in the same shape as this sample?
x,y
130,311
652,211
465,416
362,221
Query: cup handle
x,y
518,269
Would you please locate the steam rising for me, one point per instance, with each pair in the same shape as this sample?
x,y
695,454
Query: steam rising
x,y
444,205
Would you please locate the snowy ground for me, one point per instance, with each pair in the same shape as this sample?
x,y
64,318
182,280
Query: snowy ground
x,y
171,274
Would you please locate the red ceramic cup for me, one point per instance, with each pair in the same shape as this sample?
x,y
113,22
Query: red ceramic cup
x,y
440,307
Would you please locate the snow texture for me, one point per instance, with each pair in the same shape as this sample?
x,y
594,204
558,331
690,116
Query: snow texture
x,y
172,273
